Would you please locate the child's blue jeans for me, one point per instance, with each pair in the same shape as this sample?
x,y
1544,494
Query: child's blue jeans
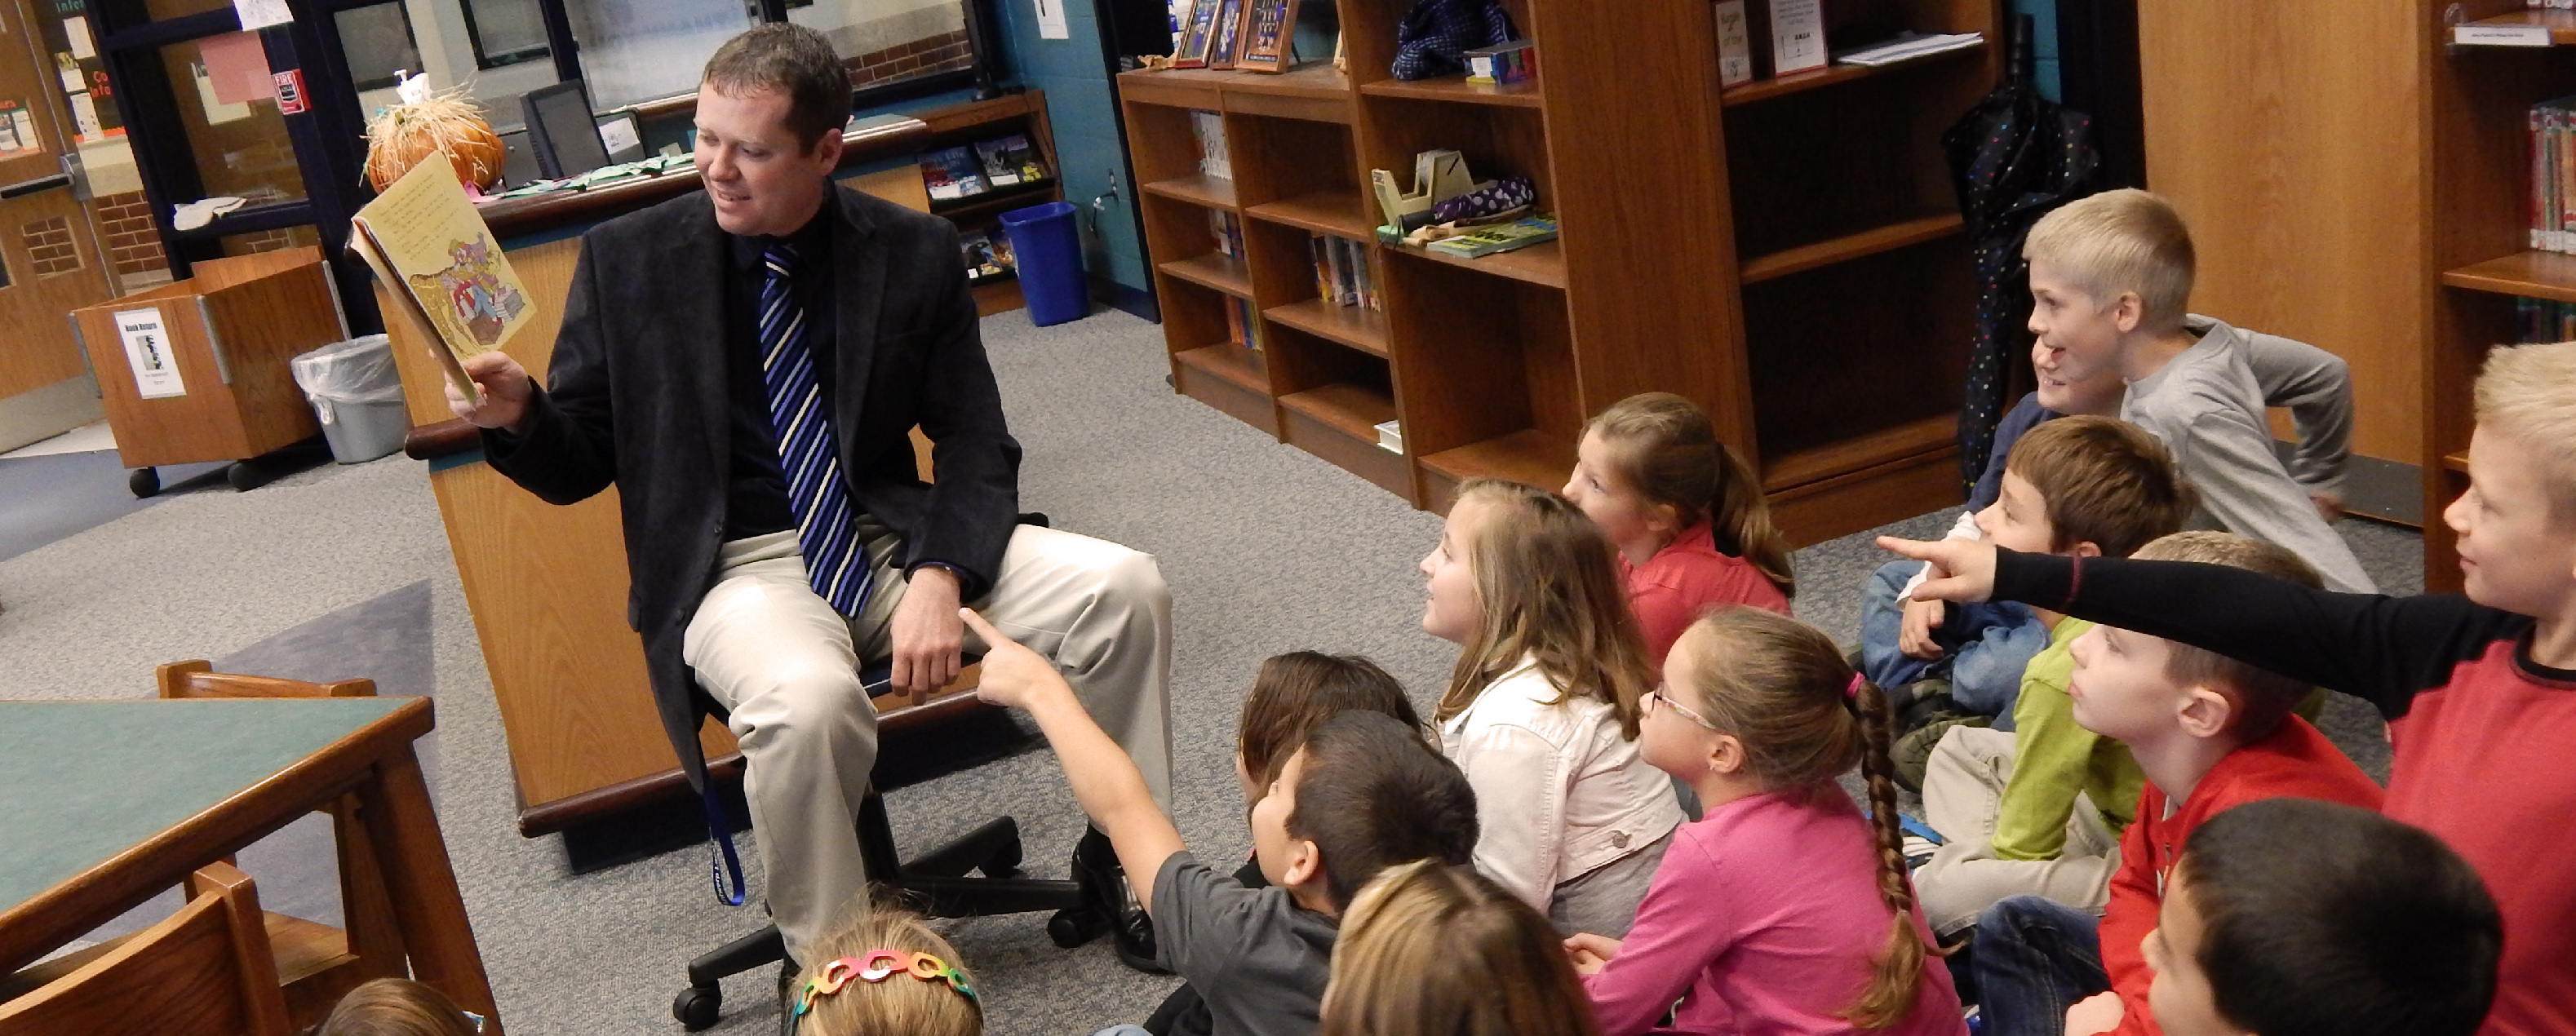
x,y
2034,959
1984,646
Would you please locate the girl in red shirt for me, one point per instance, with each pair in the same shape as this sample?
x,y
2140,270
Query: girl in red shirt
x,y
1686,513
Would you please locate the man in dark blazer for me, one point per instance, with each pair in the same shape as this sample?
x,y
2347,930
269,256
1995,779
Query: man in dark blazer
x,y
745,365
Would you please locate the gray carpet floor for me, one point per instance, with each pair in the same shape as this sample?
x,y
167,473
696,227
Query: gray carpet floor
x,y
345,571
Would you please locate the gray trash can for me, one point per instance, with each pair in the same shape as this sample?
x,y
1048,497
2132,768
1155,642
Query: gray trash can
x,y
357,394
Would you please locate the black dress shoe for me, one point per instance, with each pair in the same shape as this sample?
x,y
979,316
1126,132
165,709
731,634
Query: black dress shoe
x,y
1095,865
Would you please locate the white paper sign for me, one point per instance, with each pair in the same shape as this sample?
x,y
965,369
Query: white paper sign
x,y
85,124
2500,35
618,136
76,31
1797,36
147,353
1051,20
259,14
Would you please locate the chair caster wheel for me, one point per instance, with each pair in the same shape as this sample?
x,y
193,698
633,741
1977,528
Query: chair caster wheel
x,y
144,482
697,1006
246,476
1071,928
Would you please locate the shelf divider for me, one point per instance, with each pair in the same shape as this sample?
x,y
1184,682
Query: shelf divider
x,y
1216,270
1850,246
1359,327
2539,275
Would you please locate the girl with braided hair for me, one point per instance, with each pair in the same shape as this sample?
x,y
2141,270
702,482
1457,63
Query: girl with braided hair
x,y
1783,909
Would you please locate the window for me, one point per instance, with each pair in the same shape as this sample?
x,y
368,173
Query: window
x,y
378,41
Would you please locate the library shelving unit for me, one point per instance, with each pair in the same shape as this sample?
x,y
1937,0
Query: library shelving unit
x,y
2480,170
1787,253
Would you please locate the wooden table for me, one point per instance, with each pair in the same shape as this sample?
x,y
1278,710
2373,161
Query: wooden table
x,y
106,804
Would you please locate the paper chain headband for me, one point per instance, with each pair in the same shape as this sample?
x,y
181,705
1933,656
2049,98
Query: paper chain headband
x,y
877,966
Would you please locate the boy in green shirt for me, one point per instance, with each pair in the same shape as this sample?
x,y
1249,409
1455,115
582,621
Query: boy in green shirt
x,y
2039,809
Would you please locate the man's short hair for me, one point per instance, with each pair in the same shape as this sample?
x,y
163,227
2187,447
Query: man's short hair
x,y
2103,480
2120,241
2528,392
1374,794
2322,919
792,60
1300,689
2260,696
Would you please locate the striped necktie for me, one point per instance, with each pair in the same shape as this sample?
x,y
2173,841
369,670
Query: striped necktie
x,y
808,453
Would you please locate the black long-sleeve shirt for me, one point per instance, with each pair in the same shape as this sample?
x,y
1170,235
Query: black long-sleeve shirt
x,y
2482,732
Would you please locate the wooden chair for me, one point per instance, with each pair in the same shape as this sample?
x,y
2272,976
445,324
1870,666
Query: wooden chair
x,y
316,964
204,972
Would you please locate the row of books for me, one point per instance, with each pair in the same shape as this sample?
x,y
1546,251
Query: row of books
x,y
2553,175
1242,326
965,171
2541,320
988,255
1209,128
1342,274
1228,232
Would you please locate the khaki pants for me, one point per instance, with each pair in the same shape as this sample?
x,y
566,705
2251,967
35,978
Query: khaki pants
x,y
786,667
1963,791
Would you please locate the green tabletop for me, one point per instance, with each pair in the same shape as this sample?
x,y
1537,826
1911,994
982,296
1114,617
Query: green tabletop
x,y
81,781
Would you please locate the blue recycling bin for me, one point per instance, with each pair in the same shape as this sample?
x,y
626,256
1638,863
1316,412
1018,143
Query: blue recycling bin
x,y
1048,247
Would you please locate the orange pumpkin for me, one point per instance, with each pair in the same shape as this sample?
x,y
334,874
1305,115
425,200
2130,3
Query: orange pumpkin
x,y
402,136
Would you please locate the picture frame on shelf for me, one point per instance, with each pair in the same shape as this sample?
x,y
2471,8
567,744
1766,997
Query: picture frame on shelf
x,y
1269,28
1228,33
1198,31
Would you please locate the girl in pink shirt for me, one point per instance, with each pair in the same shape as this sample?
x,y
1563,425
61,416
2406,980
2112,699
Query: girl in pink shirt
x,y
1689,519
1782,910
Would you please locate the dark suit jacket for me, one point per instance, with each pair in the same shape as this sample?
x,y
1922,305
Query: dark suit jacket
x,y
636,395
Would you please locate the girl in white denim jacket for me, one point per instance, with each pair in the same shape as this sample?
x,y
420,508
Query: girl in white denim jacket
x,y
1542,708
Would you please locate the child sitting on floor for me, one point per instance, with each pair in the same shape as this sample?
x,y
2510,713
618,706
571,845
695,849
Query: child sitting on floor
x,y
1782,909
887,974
1292,693
2006,800
1362,793
2209,732
397,1007
1690,521
2475,687
2290,917
1542,707
1434,950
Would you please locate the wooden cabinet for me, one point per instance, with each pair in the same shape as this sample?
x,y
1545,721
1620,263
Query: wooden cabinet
x,y
1786,253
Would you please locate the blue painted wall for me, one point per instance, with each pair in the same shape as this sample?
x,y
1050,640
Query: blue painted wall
x,y
1082,108
2043,15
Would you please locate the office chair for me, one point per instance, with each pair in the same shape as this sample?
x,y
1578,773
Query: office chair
x,y
934,883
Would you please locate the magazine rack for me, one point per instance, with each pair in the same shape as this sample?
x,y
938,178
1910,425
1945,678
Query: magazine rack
x,y
195,371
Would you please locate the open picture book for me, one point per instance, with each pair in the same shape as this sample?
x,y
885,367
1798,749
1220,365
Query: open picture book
x,y
422,237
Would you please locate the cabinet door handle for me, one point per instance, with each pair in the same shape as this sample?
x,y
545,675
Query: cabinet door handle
x,y
24,188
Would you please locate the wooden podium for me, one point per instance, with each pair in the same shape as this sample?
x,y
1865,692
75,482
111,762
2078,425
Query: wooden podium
x,y
547,585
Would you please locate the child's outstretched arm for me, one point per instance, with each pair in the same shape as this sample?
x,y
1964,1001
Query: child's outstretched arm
x,y
2382,649
1105,781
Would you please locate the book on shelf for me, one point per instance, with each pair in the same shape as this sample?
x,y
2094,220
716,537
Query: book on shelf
x,y
2542,320
1501,237
1242,325
1390,435
1010,161
1507,62
1908,46
987,254
1342,274
1228,232
1797,35
951,174
1209,127
2552,203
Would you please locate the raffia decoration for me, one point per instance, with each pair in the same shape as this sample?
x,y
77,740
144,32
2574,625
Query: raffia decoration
x,y
401,135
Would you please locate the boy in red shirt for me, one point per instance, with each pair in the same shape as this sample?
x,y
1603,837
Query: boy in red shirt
x,y
2479,690
2209,732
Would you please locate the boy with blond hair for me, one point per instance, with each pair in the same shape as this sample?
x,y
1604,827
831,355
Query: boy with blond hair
x,y
2479,689
2197,402
2110,277
2038,805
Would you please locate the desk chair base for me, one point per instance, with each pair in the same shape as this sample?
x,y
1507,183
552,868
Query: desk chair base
x,y
934,884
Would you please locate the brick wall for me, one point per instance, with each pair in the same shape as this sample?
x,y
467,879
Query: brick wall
x,y
125,223
49,245
262,241
941,53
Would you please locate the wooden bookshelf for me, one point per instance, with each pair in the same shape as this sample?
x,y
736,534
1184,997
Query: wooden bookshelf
x,y
2539,275
1790,257
1761,90
1024,113
2561,24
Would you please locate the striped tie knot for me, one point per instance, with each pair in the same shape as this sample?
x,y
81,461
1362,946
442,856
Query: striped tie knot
x,y
780,260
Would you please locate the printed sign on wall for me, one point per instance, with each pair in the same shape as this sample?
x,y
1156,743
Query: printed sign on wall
x,y
147,353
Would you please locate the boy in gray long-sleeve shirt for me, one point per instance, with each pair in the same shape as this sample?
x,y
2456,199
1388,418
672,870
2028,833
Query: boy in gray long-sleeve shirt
x,y
2110,276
